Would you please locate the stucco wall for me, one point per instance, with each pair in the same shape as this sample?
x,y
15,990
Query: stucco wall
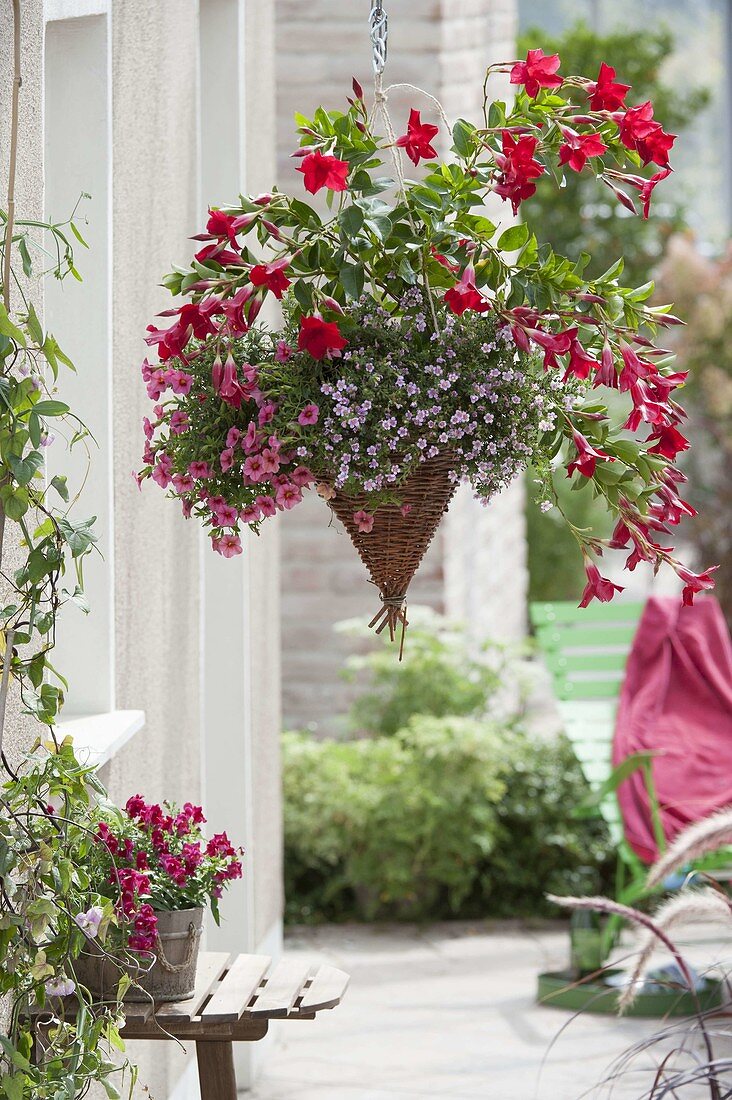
x,y
476,567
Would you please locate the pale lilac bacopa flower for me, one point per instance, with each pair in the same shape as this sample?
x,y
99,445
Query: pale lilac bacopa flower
x,y
89,922
59,986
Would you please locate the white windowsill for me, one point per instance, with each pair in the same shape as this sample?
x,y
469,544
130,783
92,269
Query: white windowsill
x,y
98,737
74,9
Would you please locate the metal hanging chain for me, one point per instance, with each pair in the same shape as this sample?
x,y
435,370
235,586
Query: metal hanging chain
x,y
379,30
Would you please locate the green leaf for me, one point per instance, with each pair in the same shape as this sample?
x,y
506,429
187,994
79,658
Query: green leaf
x,y
13,1087
589,805
25,257
7,328
15,503
351,220
34,326
59,484
462,133
24,469
50,408
352,279
77,234
514,237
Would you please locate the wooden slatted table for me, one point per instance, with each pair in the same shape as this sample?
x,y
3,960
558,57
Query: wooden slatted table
x,y
235,998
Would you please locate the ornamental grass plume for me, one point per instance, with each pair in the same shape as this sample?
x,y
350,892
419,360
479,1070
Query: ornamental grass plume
x,y
696,841
695,905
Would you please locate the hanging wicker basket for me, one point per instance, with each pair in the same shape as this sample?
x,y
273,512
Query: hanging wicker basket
x,y
394,547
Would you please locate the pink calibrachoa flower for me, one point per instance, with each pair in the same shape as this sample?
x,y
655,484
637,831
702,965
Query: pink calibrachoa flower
x,y
179,422
364,521
309,415
226,459
228,546
288,495
183,483
249,442
301,476
179,381
283,351
537,71
254,468
597,587
200,469
226,516
270,460
251,513
161,475
232,437
266,413
267,506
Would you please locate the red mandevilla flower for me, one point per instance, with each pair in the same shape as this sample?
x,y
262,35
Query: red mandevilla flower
x,y
416,141
272,276
324,171
576,148
597,587
537,71
465,295
518,168
320,338
605,93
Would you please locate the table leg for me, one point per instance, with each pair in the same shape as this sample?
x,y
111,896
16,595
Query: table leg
x,y
216,1070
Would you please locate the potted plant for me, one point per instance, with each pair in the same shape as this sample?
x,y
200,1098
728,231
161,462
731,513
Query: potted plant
x,y
158,873
421,342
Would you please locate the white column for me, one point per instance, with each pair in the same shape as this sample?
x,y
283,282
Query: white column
x,y
78,159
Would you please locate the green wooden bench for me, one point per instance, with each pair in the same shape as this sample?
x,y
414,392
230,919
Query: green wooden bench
x,y
585,650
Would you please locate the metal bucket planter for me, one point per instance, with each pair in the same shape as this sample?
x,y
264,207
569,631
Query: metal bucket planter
x,y
169,975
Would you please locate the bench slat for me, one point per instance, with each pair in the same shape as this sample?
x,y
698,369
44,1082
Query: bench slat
x,y
283,987
325,990
234,992
210,968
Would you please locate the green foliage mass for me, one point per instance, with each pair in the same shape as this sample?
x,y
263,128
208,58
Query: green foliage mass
x,y
447,810
582,216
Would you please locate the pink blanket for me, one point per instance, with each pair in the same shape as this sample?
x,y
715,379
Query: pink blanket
x,y
676,701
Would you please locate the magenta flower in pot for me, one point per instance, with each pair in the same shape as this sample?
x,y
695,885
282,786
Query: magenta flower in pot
x,y
160,873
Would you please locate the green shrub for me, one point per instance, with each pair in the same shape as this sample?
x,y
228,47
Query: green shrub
x,y
440,674
446,818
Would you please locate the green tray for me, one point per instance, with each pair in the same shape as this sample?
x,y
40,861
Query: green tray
x,y
561,990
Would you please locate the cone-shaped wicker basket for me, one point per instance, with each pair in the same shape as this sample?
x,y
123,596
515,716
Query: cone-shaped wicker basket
x,y
397,542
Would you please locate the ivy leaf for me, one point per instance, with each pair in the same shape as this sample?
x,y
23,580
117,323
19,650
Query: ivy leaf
x,y
24,469
79,536
7,328
59,484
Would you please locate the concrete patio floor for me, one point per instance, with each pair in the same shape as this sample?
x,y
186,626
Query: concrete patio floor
x,y
448,1011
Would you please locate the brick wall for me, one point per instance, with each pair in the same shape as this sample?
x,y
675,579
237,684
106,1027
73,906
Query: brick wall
x,y
476,567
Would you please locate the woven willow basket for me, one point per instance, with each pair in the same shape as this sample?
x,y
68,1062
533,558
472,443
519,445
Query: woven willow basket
x,y
396,544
